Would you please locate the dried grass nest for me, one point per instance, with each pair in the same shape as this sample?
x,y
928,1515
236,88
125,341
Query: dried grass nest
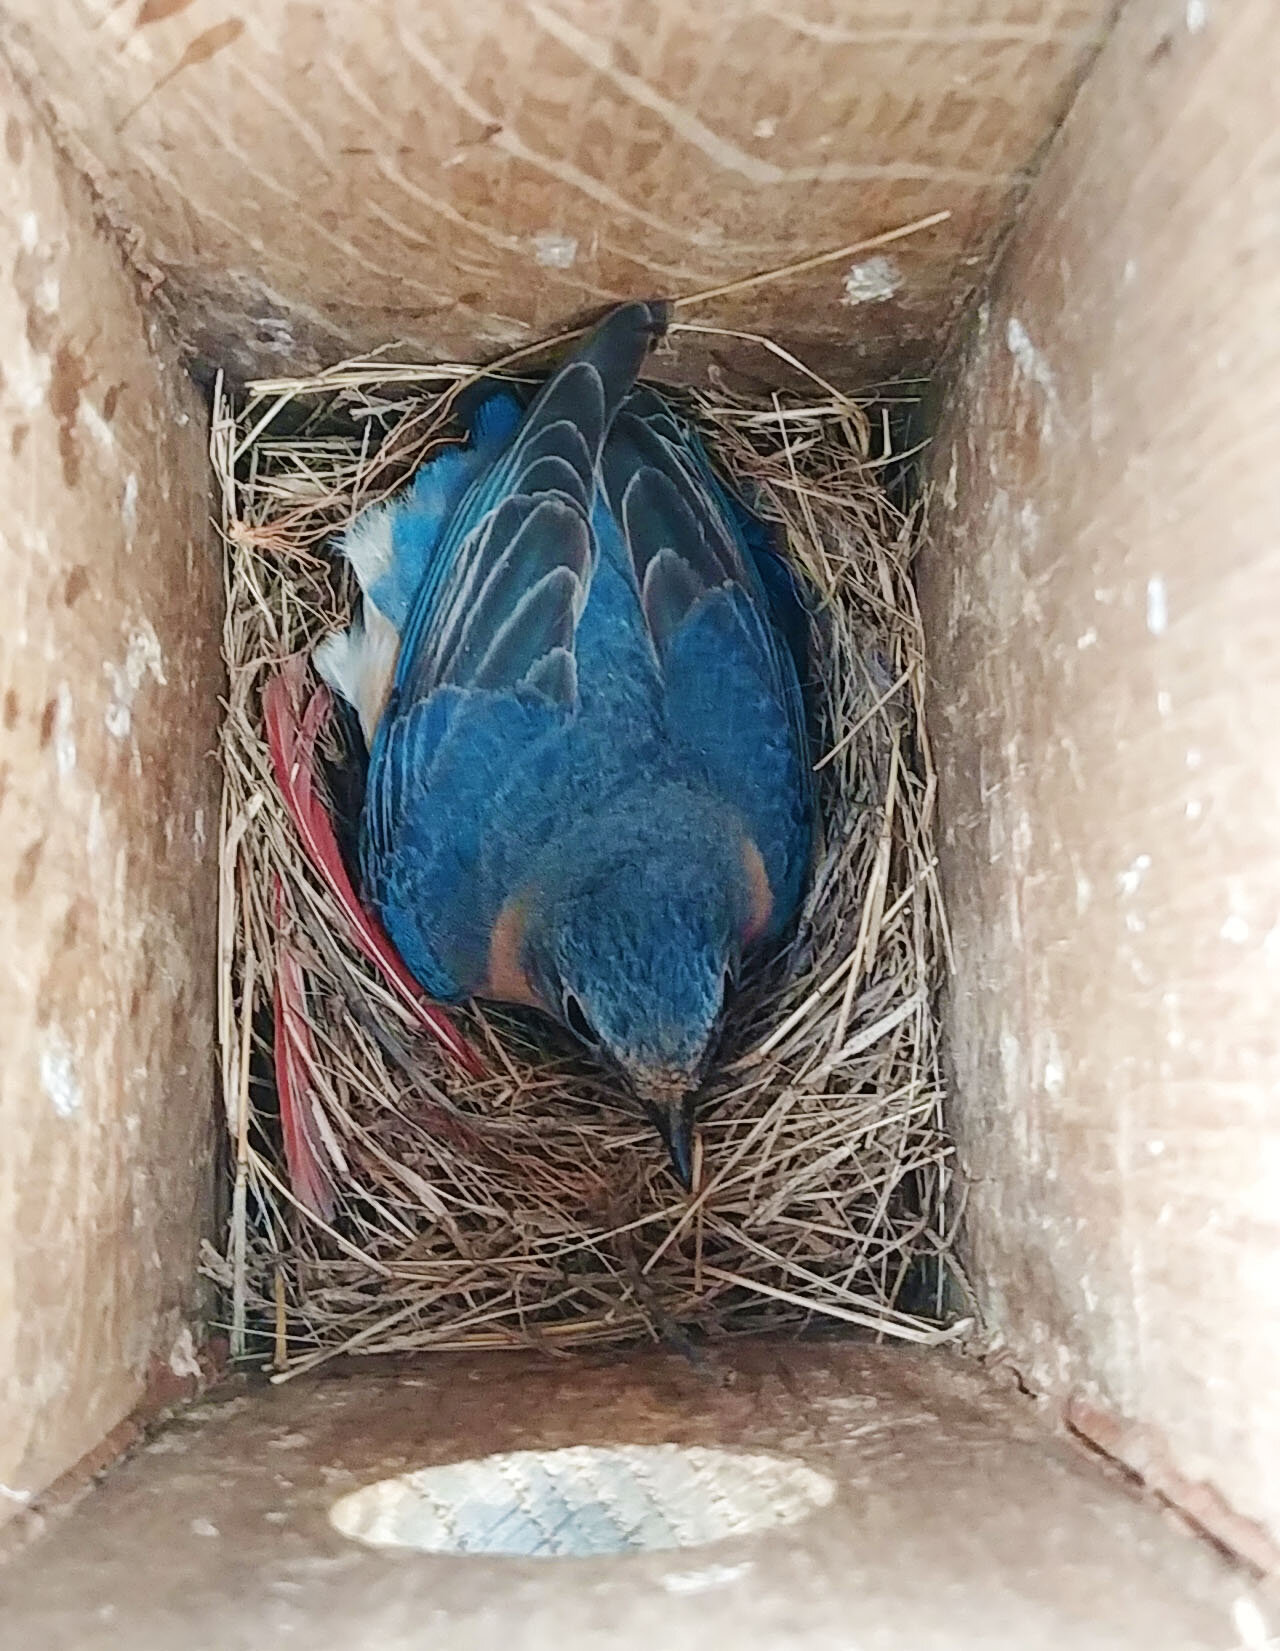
x,y
533,1205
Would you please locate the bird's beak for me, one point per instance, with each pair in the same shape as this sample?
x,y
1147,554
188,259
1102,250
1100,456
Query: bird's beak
x,y
666,1094
675,1125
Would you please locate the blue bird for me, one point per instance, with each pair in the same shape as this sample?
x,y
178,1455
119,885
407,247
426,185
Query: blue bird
x,y
578,666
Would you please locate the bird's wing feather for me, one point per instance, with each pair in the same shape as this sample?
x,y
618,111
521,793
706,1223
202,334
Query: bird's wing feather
x,y
524,526
391,546
436,798
487,670
729,712
681,447
728,657
420,514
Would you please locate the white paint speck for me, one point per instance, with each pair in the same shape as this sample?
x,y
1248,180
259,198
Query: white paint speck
x,y
949,495
198,834
97,426
1087,639
137,46
1235,930
48,292
1194,757
1032,365
182,1355
64,737
95,835
1250,1625
29,231
1197,15
1134,923
710,1576
1084,893
1155,1148
204,1527
168,1444
129,509
765,128
1020,840
58,1074
274,333
1130,271
1193,808
28,374
1010,1059
10,1494
872,281
1157,606
143,657
554,251
1164,702
1054,1074
1130,879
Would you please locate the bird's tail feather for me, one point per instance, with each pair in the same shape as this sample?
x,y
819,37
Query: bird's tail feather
x,y
618,346
526,503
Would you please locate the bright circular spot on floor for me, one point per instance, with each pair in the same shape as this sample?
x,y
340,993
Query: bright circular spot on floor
x,y
561,1504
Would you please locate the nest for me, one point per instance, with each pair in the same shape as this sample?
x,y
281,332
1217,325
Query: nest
x,y
532,1204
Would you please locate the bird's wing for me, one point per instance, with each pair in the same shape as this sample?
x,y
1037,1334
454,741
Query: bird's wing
x,y
422,512
438,794
778,583
486,668
498,604
390,546
728,630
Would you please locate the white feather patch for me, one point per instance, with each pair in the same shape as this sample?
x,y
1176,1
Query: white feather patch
x,y
360,664
366,544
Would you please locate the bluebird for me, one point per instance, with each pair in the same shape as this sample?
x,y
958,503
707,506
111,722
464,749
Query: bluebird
x,y
578,664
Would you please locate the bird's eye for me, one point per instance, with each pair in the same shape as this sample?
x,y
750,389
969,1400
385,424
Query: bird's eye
x,y
575,1019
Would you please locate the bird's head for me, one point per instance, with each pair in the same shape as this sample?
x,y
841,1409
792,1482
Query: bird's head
x,y
635,957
